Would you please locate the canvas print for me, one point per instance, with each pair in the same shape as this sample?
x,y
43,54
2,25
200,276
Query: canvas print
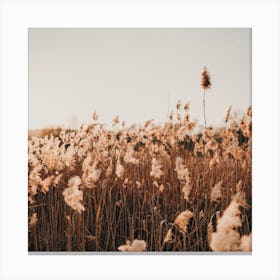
x,y
140,140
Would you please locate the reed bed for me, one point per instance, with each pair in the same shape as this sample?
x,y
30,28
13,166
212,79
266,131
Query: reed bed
x,y
169,187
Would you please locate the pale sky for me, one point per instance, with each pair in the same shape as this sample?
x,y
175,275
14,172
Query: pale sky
x,y
131,72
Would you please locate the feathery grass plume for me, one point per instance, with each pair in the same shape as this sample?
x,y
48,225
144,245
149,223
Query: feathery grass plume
x,y
228,114
239,186
209,232
91,237
34,179
183,176
46,183
240,197
95,116
206,85
179,118
187,189
179,105
182,171
205,79
212,144
87,161
50,152
74,182
72,195
216,192
191,125
201,214
109,170
119,170
227,237
156,171
160,188
182,133
210,226
91,173
57,179
168,237
171,116
215,161
244,165
84,146
126,247
128,157
182,220
138,184
225,241
148,123
135,246
33,220
69,157
186,119
246,243
116,120
31,200
187,107
249,112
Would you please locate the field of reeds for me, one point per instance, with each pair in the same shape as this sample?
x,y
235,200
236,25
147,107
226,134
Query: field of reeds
x,y
168,187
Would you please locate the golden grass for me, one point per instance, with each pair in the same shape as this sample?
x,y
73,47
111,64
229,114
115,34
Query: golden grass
x,y
153,188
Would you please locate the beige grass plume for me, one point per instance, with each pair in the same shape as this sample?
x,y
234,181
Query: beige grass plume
x,y
33,220
156,171
95,116
72,195
216,192
205,84
135,246
46,183
184,176
116,120
129,158
91,173
228,114
168,237
182,220
34,179
119,169
205,79
246,243
179,105
160,187
239,186
227,237
180,168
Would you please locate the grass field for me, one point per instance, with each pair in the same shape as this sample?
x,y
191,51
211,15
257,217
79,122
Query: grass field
x,y
168,187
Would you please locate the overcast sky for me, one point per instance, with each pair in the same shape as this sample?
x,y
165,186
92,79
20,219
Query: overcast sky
x,y
131,73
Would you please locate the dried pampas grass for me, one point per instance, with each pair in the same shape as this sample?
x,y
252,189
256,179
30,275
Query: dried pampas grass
x,y
246,243
216,192
182,220
72,195
135,246
227,237
33,220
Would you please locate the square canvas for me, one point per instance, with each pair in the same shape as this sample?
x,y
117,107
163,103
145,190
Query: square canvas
x,y
140,140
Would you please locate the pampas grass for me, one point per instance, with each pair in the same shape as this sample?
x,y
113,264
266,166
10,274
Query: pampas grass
x,y
206,85
135,246
160,184
227,236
